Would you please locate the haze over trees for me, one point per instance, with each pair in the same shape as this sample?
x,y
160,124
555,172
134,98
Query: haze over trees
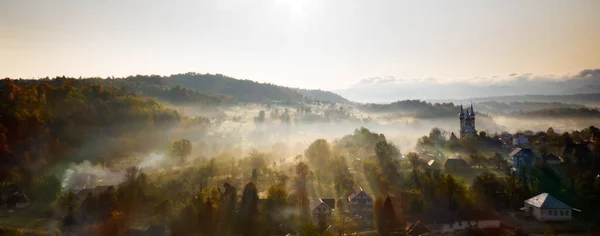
x,y
251,158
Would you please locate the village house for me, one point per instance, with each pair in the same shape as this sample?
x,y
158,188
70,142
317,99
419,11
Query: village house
x,y
520,139
17,200
417,228
433,165
321,211
544,207
360,201
569,151
506,138
148,230
548,159
83,193
443,222
521,157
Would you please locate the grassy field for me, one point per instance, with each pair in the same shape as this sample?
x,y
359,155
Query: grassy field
x,y
26,221
469,175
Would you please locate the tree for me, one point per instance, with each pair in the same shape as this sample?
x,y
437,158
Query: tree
x,y
182,148
163,208
248,211
318,153
385,217
275,204
285,116
489,191
260,118
414,159
48,190
300,193
498,161
68,201
450,191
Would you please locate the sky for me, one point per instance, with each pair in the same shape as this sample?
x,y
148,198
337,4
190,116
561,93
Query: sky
x,y
329,44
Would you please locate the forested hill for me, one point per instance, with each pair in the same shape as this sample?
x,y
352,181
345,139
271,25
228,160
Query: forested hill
x,y
416,108
206,89
241,90
50,121
248,90
321,95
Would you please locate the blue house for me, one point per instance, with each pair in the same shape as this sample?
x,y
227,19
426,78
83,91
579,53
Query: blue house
x,y
521,157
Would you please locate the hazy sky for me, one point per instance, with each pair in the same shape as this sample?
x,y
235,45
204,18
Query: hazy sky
x,y
304,43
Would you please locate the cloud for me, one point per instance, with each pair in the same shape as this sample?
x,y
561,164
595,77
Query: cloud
x,y
379,80
589,74
391,88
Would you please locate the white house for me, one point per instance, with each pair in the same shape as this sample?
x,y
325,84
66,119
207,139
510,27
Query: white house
x,y
519,139
547,208
321,210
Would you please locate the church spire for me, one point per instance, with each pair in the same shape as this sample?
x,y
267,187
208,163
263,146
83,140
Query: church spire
x,y
462,111
472,110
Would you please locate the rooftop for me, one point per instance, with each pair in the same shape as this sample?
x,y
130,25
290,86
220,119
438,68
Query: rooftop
x,y
355,193
524,151
546,201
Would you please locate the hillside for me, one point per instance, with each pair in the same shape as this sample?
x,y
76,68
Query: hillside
x,y
321,95
205,89
248,90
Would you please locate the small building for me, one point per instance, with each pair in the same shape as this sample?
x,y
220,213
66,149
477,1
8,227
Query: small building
x,y
134,232
568,151
520,139
321,210
455,164
433,164
444,222
17,200
157,230
417,228
506,137
360,201
83,193
101,189
521,157
548,159
547,208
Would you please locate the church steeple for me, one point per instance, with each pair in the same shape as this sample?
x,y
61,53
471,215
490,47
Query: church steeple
x,y
472,110
462,111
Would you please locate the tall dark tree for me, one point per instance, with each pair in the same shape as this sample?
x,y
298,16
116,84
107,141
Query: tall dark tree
x,y
248,223
182,148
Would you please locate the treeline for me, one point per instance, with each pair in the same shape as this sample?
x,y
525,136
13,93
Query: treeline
x,y
585,99
43,123
416,108
495,107
152,86
564,112
321,95
248,90
205,89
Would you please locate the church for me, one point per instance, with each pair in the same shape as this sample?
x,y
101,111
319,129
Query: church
x,y
467,122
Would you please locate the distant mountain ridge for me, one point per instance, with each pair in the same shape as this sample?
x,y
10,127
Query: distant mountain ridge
x,y
207,89
248,90
323,95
